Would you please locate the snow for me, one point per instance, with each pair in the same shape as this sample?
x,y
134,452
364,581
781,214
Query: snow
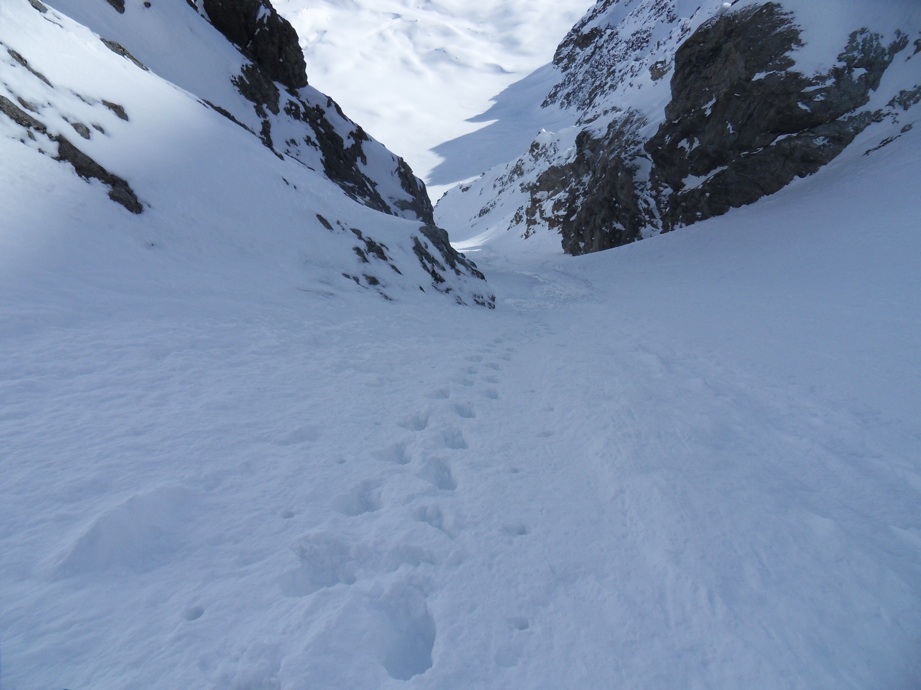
x,y
690,462
416,74
825,33
701,449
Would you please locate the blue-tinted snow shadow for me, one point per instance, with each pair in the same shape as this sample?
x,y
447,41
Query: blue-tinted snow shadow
x,y
515,119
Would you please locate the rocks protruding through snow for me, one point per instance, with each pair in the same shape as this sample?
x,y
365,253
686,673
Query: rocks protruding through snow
x,y
120,50
119,190
748,109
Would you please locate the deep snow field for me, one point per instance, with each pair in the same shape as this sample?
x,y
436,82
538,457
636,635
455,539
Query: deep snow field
x,y
689,463
692,462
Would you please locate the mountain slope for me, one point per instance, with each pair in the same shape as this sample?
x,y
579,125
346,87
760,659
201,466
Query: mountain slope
x,y
200,184
682,112
258,79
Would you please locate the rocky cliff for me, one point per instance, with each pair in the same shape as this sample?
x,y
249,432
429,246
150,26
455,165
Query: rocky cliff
x,y
274,81
681,114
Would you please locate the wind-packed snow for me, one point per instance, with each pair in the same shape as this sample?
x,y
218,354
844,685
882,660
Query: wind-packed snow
x,y
691,462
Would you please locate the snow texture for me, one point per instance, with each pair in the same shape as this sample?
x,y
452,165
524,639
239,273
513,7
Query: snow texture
x,y
691,462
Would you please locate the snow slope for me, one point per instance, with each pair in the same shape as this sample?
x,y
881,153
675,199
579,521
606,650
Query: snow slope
x,y
211,195
690,462
301,123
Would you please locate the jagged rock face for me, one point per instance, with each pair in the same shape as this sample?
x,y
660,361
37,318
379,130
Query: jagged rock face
x,y
278,106
343,161
268,92
742,123
271,43
740,119
682,110
595,202
61,112
602,53
263,35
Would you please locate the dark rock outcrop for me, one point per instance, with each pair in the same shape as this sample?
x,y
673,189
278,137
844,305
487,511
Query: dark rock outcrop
x,y
341,160
275,82
25,63
601,207
119,190
20,116
742,123
121,51
418,202
434,250
263,35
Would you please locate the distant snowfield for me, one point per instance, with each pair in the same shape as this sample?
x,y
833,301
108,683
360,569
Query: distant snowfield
x,y
412,73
